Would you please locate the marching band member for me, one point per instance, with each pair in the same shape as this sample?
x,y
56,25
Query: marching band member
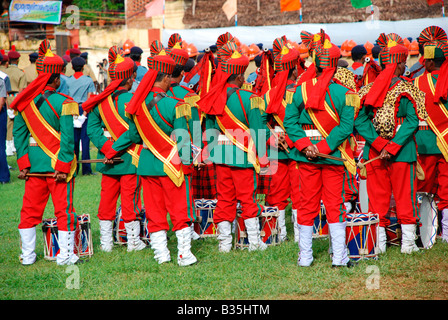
x,y
432,139
284,182
389,116
365,70
43,131
160,123
235,135
203,179
176,90
318,121
107,122
180,56
342,76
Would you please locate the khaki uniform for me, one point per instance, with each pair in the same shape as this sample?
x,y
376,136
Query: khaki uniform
x,y
69,70
18,82
30,73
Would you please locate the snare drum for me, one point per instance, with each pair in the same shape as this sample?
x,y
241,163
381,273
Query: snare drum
x,y
144,233
427,232
393,229
119,230
268,226
320,227
204,226
83,246
83,237
51,243
362,235
241,240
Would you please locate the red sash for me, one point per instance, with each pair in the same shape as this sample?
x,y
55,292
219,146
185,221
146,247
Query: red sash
x,y
238,133
325,121
280,115
437,112
160,144
48,139
116,126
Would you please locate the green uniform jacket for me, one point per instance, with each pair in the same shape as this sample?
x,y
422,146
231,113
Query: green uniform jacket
x,y
34,157
95,131
402,146
427,139
194,123
249,113
164,114
297,116
275,153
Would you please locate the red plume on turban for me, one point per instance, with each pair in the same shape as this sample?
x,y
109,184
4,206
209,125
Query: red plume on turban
x,y
121,68
233,62
393,52
285,59
46,64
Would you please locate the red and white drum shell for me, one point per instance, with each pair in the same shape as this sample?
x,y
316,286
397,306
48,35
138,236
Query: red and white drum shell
x,y
83,237
320,227
268,225
51,243
204,225
362,235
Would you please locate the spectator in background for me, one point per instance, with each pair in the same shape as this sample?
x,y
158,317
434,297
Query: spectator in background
x,y
102,77
80,88
73,53
63,88
376,52
18,83
88,71
136,56
30,70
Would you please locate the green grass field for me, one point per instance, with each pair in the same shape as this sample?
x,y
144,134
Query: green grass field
x,y
238,275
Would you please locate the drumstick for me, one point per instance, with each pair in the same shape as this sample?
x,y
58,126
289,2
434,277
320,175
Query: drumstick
x,y
283,143
118,160
39,174
363,165
323,155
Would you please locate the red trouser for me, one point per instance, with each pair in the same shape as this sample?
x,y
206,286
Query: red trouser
x,y
161,196
351,187
129,187
321,182
234,184
284,184
37,191
436,177
400,178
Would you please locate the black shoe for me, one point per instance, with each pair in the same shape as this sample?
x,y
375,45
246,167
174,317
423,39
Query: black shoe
x,y
349,264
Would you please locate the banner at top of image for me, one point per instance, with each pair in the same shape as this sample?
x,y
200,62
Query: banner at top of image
x,y
35,11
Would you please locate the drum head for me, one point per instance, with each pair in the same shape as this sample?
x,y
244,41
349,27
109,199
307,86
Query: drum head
x,y
428,220
363,197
